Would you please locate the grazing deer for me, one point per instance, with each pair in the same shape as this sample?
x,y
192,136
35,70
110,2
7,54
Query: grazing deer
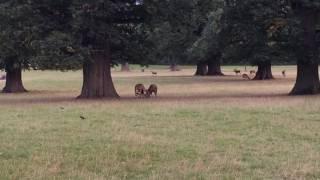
x,y
153,89
284,73
139,90
245,76
252,72
237,71
154,73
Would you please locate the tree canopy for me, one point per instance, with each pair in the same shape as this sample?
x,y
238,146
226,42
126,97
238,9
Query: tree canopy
x,y
93,35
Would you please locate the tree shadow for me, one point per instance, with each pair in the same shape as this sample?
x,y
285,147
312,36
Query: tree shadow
x,y
34,100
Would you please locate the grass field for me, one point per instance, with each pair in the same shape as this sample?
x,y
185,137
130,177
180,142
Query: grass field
x,y
198,128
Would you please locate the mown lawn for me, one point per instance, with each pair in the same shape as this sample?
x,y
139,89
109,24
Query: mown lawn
x,y
198,128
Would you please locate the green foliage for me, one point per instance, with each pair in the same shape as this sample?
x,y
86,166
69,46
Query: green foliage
x,y
18,28
253,29
46,34
177,26
61,34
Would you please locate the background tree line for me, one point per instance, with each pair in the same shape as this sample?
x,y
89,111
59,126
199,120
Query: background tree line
x,y
94,35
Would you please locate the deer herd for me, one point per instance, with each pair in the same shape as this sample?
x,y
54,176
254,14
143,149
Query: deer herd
x,y
253,72
141,91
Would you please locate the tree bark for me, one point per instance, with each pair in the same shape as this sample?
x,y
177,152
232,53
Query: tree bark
x,y
13,80
214,68
308,67
202,69
307,79
97,80
125,67
264,71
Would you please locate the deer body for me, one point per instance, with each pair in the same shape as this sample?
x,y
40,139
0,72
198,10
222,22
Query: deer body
x,y
237,71
245,76
153,89
139,90
252,72
284,73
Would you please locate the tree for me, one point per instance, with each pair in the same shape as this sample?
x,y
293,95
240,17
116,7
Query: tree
x,y
27,29
101,24
171,31
96,36
17,30
253,25
207,47
306,47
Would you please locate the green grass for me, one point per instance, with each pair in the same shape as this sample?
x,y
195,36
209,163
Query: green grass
x,y
182,134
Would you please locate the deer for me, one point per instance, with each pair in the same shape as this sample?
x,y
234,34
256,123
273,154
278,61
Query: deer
x,y
153,89
154,73
252,72
237,71
139,90
284,73
246,76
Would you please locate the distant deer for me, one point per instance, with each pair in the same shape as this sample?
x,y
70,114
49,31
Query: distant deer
x,y
245,76
284,73
237,71
139,90
252,72
153,89
154,73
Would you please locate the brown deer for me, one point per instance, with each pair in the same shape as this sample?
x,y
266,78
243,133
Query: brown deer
x,y
153,89
139,90
154,73
252,72
284,73
237,71
245,76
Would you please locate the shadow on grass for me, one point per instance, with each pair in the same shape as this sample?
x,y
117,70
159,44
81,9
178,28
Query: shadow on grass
x,y
35,99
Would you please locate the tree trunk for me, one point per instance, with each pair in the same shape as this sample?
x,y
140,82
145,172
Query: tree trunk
x,y
307,79
214,68
97,80
264,71
308,67
13,81
125,67
202,69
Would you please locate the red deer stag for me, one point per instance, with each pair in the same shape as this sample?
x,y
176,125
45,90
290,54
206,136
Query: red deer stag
x,y
139,90
153,89
245,76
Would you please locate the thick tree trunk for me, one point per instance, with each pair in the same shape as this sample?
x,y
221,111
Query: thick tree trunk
x,y
97,80
202,69
308,67
13,81
264,71
214,68
125,67
307,79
